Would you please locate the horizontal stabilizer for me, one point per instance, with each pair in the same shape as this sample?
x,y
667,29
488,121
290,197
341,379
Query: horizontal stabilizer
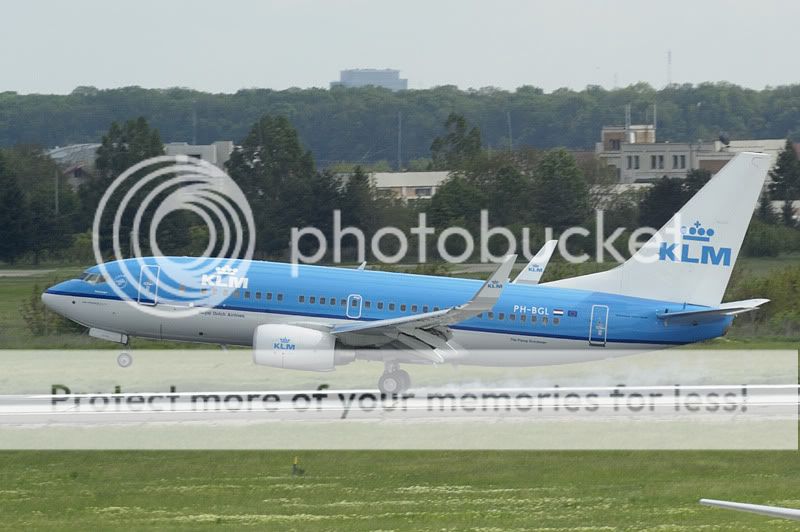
x,y
725,309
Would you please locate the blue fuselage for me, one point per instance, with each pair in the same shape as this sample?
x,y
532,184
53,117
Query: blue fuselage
x,y
525,317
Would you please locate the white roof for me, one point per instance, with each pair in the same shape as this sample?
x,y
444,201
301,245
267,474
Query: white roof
x,y
408,179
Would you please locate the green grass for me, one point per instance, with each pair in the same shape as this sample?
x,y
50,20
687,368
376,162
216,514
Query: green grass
x,y
393,490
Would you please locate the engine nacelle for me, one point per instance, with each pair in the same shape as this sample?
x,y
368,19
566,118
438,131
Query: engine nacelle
x,y
293,347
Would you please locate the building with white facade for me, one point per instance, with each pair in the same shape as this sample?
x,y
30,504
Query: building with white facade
x,y
216,153
409,185
637,157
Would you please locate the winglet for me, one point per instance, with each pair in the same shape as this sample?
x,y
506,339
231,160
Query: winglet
x,y
532,273
363,265
487,296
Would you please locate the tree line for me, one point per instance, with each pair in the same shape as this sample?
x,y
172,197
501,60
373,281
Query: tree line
x,y
523,189
362,125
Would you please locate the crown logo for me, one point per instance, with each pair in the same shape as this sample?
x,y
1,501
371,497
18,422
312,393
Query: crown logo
x,y
227,270
697,232
285,340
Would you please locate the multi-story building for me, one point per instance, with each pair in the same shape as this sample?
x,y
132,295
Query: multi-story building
x,y
77,161
636,155
363,77
217,153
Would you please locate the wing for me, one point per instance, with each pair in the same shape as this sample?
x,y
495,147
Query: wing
x,y
532,273
772,511
426,335
707,314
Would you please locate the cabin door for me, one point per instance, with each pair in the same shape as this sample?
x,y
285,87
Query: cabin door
x,y
598,326
354,306
148,285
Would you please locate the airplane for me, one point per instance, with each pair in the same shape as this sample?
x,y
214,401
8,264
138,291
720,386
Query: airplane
x,y
772,511
308,317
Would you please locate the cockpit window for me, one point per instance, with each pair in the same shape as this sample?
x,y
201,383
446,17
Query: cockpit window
x,y
93,278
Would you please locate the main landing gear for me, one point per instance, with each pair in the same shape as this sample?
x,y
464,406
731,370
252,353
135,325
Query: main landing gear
x,y
394,380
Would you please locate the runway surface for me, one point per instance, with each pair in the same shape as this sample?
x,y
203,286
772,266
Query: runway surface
x,y
556,403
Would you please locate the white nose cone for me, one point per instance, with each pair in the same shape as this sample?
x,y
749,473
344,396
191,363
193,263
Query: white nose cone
x,y
56,303
48,300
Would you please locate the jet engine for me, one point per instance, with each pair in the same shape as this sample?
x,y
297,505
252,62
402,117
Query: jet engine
x,y
295,347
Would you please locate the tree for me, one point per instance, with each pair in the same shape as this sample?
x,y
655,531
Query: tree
x,y
668,195
277,175
785,185
764,211
122,147
49,230
561,194
358,203
459,146
696,178
660,202
14,217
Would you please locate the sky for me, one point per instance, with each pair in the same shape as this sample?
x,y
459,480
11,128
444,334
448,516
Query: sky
x,y
227,45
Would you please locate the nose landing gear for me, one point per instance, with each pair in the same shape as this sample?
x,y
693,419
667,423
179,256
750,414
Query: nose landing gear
x,y
394,380
124,359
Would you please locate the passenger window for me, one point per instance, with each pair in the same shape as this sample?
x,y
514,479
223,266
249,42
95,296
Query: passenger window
x,y
182,288
544,320
344,302
203,291
533,320
391,306
523,317
435,309
258,295
280,297
269,296
333,301
413,308
236,293
322,301
425,308
490,315
501,316
213,290
380,305
480,316
512,317
301,299
312,300
402,308
367,304
556,321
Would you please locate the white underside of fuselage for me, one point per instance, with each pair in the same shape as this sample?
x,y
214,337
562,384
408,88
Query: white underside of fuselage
x,y
236,327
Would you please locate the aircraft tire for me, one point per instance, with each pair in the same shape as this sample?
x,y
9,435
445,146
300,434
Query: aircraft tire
x,y
390,383
405,379
124,360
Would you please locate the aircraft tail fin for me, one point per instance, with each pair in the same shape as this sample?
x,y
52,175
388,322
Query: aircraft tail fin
x,y
691,258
